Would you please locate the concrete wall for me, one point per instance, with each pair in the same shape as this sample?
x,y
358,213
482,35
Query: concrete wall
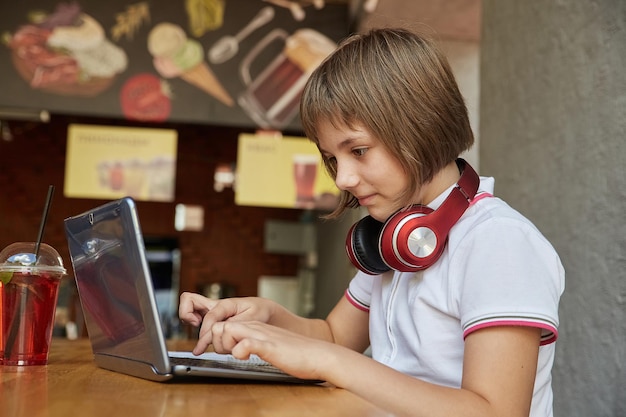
x,y
464,57
553,133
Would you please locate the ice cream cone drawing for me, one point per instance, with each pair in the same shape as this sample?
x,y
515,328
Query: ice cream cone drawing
x,y
175,55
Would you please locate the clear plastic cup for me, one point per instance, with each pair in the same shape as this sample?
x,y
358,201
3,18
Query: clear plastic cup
x,y
29,291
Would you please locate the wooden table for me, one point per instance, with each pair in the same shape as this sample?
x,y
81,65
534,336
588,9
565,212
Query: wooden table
x,y
72,385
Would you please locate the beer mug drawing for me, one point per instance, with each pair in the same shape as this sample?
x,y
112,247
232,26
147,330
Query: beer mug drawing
x,y
272,98
304,175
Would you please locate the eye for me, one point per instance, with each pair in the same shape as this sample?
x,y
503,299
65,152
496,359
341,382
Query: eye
x,y
359,151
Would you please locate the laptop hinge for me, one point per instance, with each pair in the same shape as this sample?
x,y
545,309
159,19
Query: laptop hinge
x,y
130,367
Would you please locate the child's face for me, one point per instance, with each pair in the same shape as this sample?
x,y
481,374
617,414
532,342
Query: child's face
x,y
365,168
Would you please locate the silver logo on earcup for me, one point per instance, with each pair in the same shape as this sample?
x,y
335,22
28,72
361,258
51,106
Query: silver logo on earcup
x,y
422,242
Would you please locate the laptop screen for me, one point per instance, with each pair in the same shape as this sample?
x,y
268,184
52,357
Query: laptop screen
x,y
113,280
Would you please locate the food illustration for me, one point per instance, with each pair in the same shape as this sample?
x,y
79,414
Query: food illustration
x,y
145,97
175,55
204,15
66,52
297,7
158,61
129,22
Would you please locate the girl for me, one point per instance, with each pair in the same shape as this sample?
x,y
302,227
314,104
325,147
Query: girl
x,y
457,293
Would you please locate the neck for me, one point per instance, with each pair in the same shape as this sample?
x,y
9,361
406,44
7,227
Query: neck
x,y
442,180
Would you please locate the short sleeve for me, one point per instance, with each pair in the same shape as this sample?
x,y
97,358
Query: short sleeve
x,y
510,275
359,292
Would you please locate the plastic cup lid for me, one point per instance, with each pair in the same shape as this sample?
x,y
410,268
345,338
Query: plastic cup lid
x,y
20,257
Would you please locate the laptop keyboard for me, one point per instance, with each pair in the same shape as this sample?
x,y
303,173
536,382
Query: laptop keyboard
x,y
257,365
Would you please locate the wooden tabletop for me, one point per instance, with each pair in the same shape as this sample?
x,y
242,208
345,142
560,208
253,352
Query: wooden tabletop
x,y
72,385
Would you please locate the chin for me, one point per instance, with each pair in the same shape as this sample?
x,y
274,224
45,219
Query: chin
x,y
377,215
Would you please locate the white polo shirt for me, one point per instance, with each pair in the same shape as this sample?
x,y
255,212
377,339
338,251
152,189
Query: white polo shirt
x,y
497,269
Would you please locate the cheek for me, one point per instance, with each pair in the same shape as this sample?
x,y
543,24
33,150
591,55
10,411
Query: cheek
x,y
393,178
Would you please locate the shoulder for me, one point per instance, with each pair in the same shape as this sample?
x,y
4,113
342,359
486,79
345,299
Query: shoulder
x,y
492,218
495,237
488,211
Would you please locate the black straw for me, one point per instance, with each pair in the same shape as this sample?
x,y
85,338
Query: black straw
x,y
21,307
44,218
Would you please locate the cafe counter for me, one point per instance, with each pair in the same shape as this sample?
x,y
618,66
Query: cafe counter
x,y
72,385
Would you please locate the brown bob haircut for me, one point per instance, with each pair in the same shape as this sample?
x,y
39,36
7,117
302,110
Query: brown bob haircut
x,y
399,87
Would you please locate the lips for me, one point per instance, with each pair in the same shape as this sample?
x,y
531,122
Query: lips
x,y
365,200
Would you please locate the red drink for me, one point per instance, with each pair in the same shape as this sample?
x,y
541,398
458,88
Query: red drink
x,y
29,287
28,303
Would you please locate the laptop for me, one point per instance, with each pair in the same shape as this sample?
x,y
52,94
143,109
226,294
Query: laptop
x,y
121,315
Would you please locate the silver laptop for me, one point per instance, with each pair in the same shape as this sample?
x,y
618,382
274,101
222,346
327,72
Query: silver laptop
x,y
117,296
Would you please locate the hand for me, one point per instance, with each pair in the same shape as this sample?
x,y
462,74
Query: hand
x,y
198,310
295,354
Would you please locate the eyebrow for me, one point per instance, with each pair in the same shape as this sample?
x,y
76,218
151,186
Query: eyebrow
x,y
347,142
343,144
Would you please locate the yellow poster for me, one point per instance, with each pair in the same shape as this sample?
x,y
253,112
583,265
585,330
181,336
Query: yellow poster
x,y
109,162
280,171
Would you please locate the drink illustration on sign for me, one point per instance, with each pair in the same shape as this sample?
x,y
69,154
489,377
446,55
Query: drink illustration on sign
x,y
271,99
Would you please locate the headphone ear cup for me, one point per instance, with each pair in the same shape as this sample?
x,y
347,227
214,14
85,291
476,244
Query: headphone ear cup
x,y
362,246
408,242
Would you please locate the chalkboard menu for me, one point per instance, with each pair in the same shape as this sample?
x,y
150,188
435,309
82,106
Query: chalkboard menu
x,y
222,62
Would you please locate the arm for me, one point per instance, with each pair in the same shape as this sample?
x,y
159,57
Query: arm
x,y
498,375
499,370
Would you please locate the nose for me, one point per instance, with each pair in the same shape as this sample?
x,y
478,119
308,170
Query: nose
x,y
347,177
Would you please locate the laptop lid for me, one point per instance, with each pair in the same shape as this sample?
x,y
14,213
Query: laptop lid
x,y
116,291
117,296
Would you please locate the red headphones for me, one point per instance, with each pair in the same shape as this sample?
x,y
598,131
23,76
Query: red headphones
x,y
412,239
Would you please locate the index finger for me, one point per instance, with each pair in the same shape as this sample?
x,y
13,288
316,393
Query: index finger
x,y
221,310
226,309
193,307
